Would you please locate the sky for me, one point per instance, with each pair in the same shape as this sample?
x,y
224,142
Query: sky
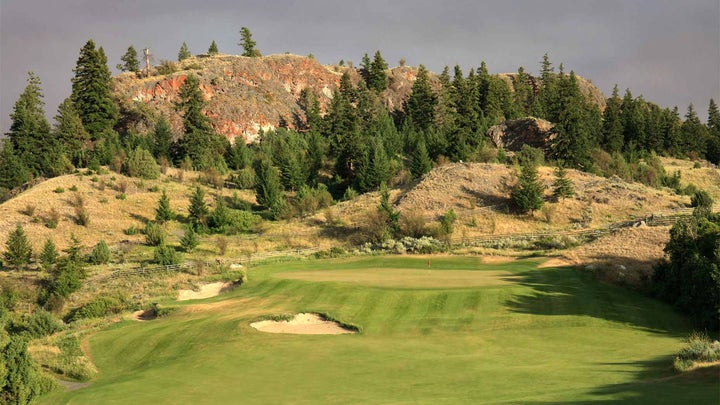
x,y
667,51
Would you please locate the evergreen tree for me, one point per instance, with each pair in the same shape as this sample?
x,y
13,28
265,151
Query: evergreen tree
x,y
422,101
100,254
13,171
527,196
198,210
420,162
391,216
633,121
190,105
22,382
713,122
163,212
693,133
377,78
562,186
239,155
523,95
18,250
130,61
71,136
247,43
574,139
189,240
49,254
268,189
219,218
184,53
91,91
373,168
713,126
162,138
310,104
671,123
29,129
213,49
365,67
546,102
613,138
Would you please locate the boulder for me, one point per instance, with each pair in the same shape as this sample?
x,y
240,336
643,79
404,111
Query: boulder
x,y
511,135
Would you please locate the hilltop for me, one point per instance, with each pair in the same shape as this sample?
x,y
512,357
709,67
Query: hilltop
x,y
245,95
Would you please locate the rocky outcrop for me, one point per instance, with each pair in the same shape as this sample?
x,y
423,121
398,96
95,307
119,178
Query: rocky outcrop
x,y
246,95
511,135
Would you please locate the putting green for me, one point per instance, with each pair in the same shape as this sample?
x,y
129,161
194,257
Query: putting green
x,y
407,278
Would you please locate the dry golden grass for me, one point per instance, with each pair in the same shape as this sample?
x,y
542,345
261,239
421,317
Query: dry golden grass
x,y
706,177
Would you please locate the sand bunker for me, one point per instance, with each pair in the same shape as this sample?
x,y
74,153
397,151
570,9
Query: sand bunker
x,y
206,291
302,324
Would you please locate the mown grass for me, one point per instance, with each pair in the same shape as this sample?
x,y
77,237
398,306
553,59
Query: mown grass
x,y
549,336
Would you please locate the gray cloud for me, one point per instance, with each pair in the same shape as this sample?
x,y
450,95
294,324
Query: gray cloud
x,y
668,51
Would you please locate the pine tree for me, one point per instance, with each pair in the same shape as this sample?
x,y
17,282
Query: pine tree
x,y
29,129
91,91
163,212
213,50
162,138
420,162
70,134
613,139
392,217
713,125
247,43
268,189
523,94
198,210
190,105
13,171
18,250
130,61
183,53
562,186
713,122
377,78
574,139
100,253
189,240
527,196
365,67
422,101
49,254
693,133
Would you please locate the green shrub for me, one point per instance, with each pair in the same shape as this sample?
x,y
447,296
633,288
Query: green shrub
x,y
132,230
100,254
141,164
59,190
701,199
121,196
154,234
97,308
698,348
166,255
73,188
42,323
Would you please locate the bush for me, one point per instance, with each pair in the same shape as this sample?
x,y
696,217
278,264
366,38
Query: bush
x,y
121,196
166,67
141,164
59,190
100,254
52,219
154,234
42,323
530,156
132,231
701,199
29,210
698,348
166,255
97,308
82,216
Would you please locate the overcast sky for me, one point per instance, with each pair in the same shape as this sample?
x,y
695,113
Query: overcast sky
x,y
668,51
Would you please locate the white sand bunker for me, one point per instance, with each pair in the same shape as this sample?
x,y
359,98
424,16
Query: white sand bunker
x,y
206,291
302,324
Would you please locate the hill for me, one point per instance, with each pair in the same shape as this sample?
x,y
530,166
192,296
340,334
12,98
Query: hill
x,y
246,95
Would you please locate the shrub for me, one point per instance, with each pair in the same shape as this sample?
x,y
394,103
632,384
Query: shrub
x,y
132,230
99,307
73,188
121,196
698,348
189,241
122,186
141,164
82,216
166,255
100,254
222,244
42,323
413,224
154,234
166,67
59,190
530,156
52,219
29,210
701,199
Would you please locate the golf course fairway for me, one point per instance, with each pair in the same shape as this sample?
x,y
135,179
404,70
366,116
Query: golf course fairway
x,y
460,331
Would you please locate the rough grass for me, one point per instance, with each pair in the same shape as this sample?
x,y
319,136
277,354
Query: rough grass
x,y
553,335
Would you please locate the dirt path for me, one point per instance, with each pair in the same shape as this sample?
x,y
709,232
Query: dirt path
x,y
302,324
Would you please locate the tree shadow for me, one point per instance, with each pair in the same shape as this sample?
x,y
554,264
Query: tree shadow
x,y
655,383
497,201
562,291
571,291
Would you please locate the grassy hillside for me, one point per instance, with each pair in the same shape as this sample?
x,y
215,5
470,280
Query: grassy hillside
x,y
519,334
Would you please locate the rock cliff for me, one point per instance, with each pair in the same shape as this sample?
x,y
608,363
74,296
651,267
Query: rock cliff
x,y
245,95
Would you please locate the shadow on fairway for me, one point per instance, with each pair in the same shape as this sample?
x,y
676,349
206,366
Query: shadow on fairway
x,y
695,387
570,291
